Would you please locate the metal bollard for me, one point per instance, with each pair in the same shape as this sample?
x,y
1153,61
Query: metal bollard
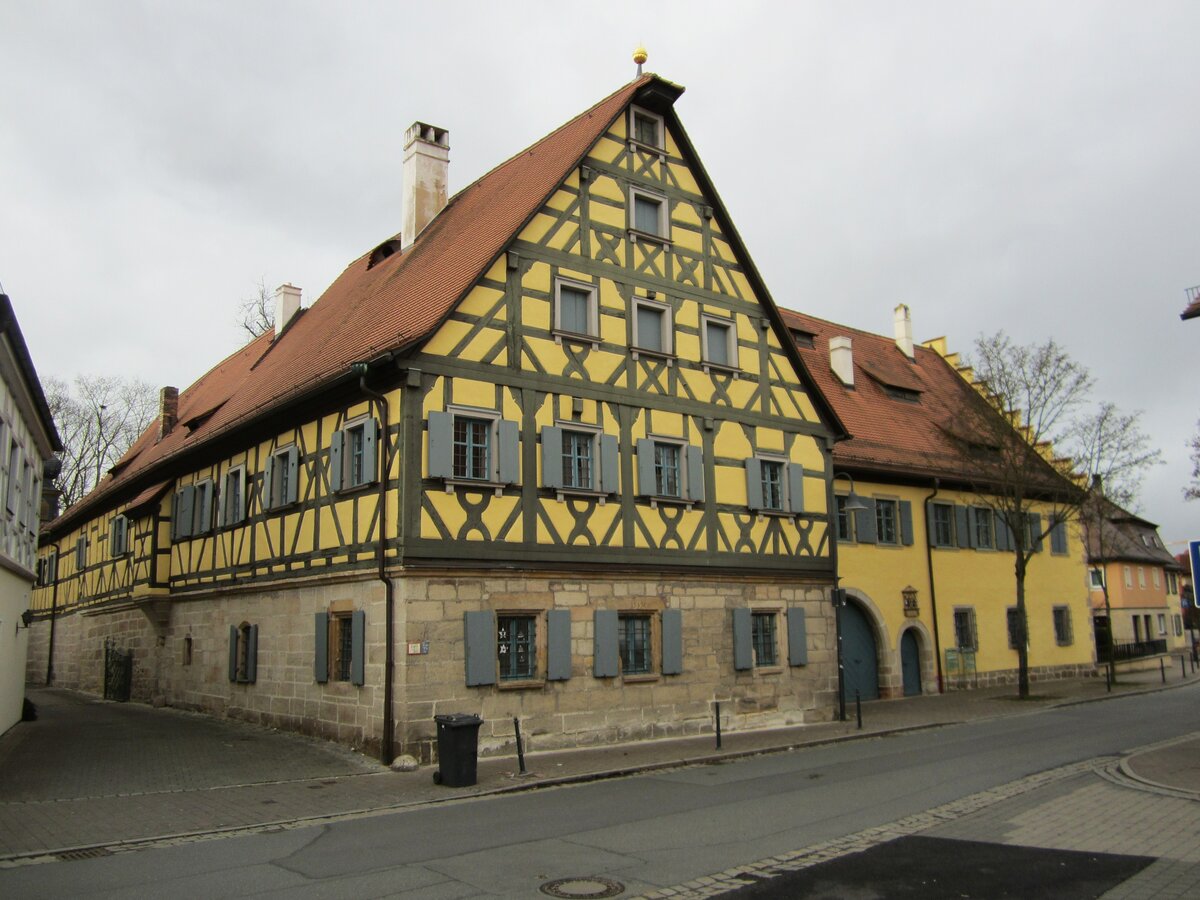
x,y
718,708
520,749
858,708
1108,678
1162,668
1182,667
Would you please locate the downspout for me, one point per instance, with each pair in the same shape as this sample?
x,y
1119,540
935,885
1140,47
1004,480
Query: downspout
x,y
53,618
831,506
937,641
385,742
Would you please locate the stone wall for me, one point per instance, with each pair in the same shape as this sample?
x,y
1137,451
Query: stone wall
x,y
586,710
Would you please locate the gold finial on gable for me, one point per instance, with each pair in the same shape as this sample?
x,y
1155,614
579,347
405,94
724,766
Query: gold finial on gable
x,y
640,56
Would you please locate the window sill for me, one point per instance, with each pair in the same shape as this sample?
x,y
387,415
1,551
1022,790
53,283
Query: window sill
x,y
573,337
640,679
636,235
521,684
635,144
768,670
710,367
563,493
776,514
356,489
668,358
467,484
669,501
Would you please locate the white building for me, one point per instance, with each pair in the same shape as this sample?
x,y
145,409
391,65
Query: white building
x,y
28,441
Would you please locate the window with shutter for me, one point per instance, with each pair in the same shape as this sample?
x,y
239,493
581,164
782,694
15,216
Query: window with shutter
x,y
353,454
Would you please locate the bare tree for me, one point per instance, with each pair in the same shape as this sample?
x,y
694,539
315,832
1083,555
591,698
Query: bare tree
x,y
98,418
256,315
1192,491
1111,452
1032,393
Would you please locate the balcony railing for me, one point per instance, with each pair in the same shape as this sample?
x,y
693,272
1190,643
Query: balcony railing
x,y
1125,650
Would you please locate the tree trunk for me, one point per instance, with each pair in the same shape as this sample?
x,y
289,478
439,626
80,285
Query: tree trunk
x,y
1023,631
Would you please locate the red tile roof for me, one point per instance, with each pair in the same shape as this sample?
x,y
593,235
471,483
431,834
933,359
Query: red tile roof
x,y
371,311
906,438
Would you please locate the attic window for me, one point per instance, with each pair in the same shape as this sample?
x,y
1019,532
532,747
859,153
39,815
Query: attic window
x,y
804,339
383,251
899,393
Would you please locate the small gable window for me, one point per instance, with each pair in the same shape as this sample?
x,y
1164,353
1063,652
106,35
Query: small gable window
x,y
646,128
576,310
652,331
718,341
648,214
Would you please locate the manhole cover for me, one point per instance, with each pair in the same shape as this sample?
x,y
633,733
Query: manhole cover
x,y
587,886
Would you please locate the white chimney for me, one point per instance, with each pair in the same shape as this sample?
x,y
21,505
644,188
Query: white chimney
x,y
841,360
903,325
426,166
287,304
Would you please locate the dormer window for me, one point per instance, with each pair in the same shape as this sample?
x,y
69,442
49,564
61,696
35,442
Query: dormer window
x,y
646,128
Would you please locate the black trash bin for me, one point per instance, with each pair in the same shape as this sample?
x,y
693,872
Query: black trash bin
x,y
458,749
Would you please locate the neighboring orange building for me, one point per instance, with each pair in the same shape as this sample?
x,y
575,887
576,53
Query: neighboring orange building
x,y
1143,584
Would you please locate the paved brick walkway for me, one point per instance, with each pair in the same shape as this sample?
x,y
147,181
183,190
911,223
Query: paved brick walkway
x,y
92,774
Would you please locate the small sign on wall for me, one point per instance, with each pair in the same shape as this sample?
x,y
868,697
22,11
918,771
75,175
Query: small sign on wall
x,y
418,648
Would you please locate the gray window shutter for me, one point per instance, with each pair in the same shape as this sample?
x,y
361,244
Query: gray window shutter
x,y
798,636
1058,538
552,461
1003,536
1035,528
672,642
205,499
321,648
609,477
175,515
268,490
293,464
743,650
695,474
233,641
370,451
558,645
358,646
336,461
606,658
252,655
509,439
972,513
187,502
441,445
754,497
864,522
479,647
221,489
962,526
795,475
906,532
645,466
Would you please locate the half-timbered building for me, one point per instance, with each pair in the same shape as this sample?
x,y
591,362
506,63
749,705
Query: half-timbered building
x,y
548,453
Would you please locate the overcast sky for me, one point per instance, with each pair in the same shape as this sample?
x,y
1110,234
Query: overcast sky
x,y
1017,165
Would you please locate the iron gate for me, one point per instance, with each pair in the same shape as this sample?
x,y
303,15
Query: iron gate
x,y
118,672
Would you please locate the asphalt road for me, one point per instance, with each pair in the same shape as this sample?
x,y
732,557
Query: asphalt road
x,y
646,832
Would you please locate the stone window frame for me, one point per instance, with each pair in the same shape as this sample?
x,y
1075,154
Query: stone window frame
x,y
653,645
660,144
756,615
592,335
663,235
537,679
667,330
729,323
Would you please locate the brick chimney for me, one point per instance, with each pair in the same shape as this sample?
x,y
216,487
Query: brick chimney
x,y
287,304
168,410
426,169
841,360
902,321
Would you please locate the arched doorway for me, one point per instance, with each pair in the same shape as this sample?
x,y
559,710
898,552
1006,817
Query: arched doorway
x,y
910,663
859,657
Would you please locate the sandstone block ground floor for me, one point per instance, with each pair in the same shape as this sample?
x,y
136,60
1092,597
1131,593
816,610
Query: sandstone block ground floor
x,y
578,660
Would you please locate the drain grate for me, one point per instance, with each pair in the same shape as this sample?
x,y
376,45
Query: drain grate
x,y
90,853
585,887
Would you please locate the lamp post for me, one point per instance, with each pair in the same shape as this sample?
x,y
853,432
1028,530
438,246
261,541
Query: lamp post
x,y
853,505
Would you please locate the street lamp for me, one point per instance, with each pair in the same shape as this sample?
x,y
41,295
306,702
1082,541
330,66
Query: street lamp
x,y
853,505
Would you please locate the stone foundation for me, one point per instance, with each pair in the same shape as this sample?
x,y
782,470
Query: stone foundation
x,y
1037,675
